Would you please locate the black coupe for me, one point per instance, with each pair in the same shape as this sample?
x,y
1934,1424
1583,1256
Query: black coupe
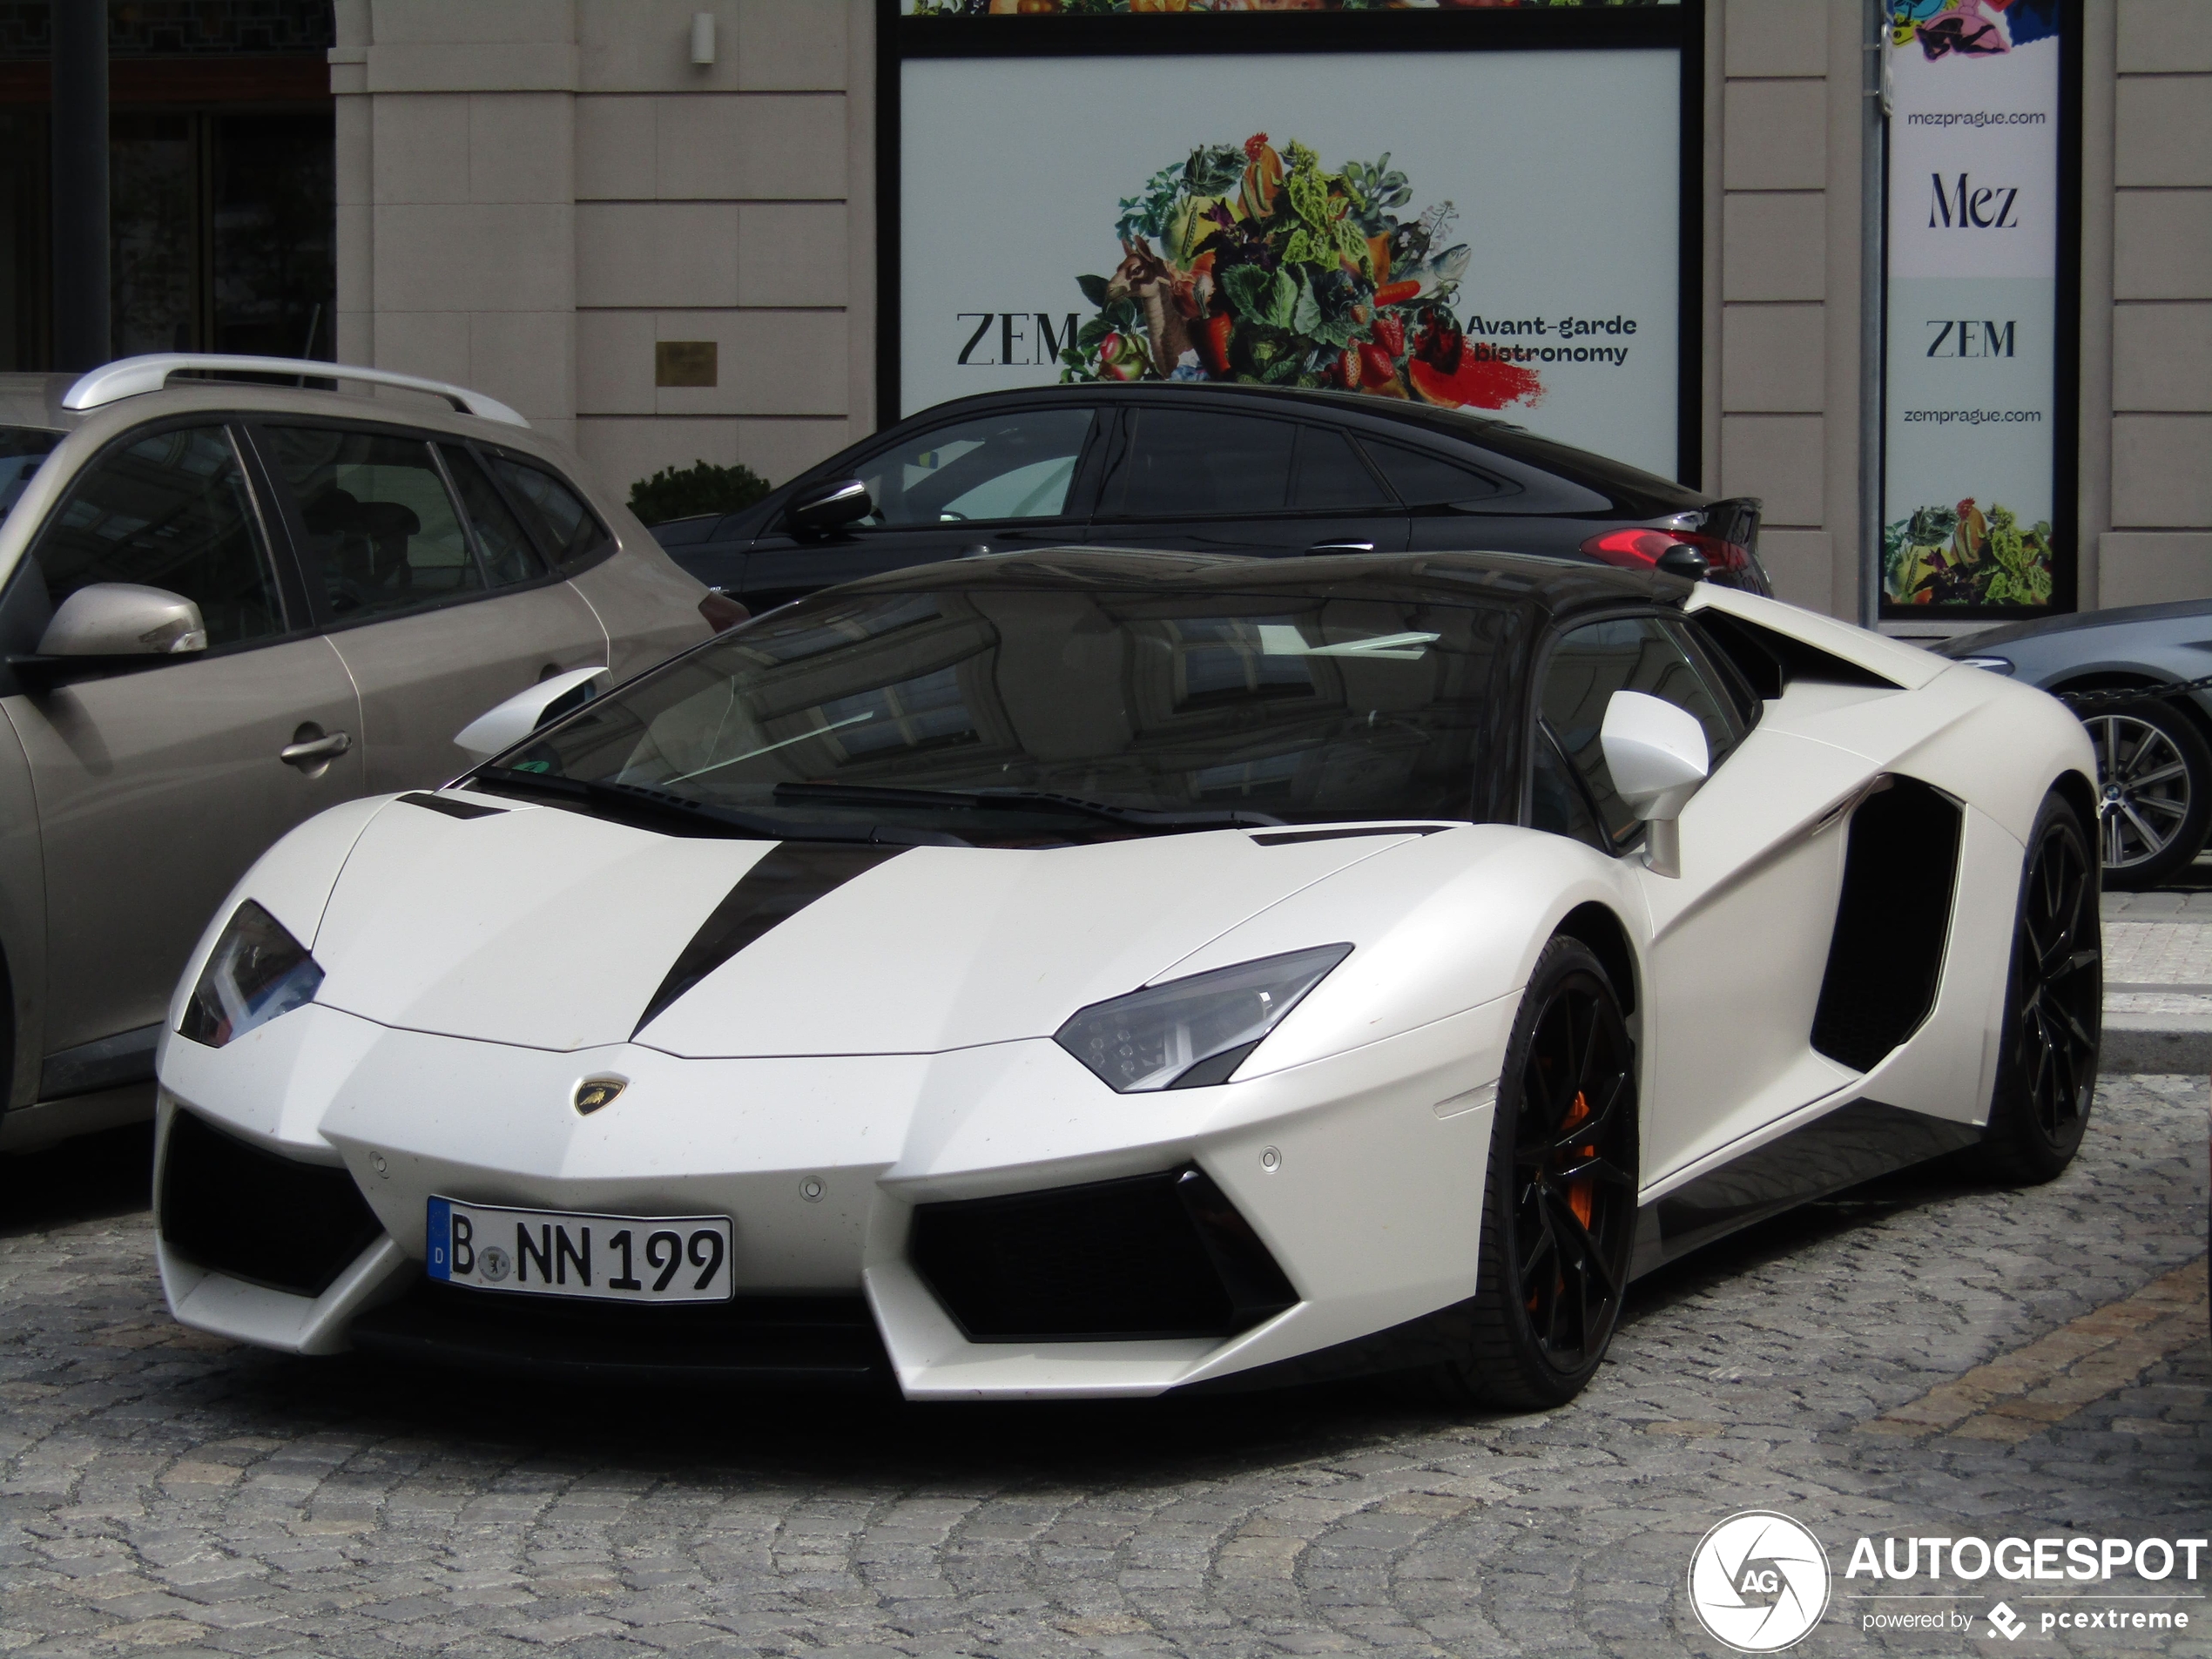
x,y
1207,468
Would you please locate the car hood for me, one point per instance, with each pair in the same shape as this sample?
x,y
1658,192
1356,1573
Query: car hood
x,y
550,929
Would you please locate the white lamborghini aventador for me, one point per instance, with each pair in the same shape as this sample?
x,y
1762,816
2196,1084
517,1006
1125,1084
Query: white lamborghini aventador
x,y
1106,973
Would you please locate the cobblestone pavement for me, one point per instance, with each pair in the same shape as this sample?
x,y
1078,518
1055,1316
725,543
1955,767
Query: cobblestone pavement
x,y
162,1492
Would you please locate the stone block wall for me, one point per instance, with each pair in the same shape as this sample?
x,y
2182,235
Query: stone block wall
x,y
533,193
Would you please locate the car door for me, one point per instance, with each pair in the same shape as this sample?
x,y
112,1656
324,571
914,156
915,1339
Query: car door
x,y
156,788
1215,481
1739,939
992,483
437,599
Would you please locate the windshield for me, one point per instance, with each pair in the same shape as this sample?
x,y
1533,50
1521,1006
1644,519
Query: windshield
x,y
24,449
1011,717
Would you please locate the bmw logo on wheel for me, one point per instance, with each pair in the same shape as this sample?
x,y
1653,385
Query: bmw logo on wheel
x,y
1758,1582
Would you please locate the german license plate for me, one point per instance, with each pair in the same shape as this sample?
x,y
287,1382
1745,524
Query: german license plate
x,y
607,1259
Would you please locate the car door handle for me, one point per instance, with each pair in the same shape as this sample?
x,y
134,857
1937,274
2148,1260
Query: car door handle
x,y
312,751
1342,547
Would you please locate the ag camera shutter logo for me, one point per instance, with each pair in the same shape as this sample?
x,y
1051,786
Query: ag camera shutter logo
x,y
1758,1582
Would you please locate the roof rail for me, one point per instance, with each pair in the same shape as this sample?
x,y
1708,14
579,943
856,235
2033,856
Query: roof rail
x,y
130,376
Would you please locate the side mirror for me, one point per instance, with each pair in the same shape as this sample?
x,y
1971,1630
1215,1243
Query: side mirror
x,y
830,507
123,619
1658,757
1684,561
500,729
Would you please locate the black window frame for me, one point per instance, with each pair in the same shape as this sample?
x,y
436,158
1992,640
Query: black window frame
x,y
325,621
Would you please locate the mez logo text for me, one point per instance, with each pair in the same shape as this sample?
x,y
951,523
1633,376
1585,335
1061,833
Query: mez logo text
x,y
1970,207
1022,339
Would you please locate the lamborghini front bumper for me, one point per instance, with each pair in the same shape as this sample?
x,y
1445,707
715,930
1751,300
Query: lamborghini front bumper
x,y
1355,1183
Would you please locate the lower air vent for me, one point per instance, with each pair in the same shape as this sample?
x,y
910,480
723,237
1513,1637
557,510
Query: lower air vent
x,y
1152,1256
258,1217
1885,957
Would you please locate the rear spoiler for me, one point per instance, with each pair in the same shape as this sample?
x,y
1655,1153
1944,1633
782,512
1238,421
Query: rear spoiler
x,y
1736,519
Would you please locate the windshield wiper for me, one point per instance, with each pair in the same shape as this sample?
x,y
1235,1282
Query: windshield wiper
x,y
1034,801
654,809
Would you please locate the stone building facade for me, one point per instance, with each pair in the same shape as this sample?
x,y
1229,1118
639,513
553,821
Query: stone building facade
x,y
532,193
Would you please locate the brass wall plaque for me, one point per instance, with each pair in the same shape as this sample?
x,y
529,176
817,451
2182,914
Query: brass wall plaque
x,y
686,362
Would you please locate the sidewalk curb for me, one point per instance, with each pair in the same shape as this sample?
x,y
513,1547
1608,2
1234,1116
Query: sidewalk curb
x,y
2164,1043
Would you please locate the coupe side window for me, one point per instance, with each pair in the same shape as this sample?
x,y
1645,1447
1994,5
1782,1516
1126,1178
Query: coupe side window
x,y
1330,476
171,510
1007,466
1424,480
1198,463
1630,653
381,533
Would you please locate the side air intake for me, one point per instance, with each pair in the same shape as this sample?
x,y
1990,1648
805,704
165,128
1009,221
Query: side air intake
x,y
258,1217
1161,1255
1885,957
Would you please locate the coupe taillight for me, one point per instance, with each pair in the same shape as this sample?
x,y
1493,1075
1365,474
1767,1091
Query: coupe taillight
x,y
1637,547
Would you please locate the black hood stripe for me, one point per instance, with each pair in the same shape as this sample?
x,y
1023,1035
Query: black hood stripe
x,y
792,876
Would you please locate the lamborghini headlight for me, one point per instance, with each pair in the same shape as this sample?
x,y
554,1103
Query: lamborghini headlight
x,y
1191,1032
256,972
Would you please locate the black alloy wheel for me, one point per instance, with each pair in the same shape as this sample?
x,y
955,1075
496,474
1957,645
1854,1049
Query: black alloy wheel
x,y
2046,1065
1559,1214
2153,791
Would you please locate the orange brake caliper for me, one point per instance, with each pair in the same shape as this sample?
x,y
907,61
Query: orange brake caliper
x,y
1581,1196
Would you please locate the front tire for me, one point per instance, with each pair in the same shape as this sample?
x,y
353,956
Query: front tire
x,y
2047,1058
1559,1214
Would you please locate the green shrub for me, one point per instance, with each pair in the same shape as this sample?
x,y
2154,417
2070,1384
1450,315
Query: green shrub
x,y
684,492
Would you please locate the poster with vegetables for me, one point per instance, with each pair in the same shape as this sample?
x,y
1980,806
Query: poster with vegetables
x,y
1411,226
1969,468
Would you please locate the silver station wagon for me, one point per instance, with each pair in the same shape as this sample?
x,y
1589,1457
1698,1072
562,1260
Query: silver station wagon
x,y
225,606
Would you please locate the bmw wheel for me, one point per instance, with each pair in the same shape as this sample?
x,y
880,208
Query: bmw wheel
x,y
2047,1058
1559,1213
2154,791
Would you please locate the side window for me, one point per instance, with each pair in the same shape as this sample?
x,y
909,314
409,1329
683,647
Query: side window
x,y
502,543
381,533
1630,653
1191,463
565,527
170,511
1330,475
1557,803
1007,466
1424,480
1730,658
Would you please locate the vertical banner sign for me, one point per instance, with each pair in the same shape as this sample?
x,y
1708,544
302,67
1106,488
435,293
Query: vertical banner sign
x,y
1497,229
1974,434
